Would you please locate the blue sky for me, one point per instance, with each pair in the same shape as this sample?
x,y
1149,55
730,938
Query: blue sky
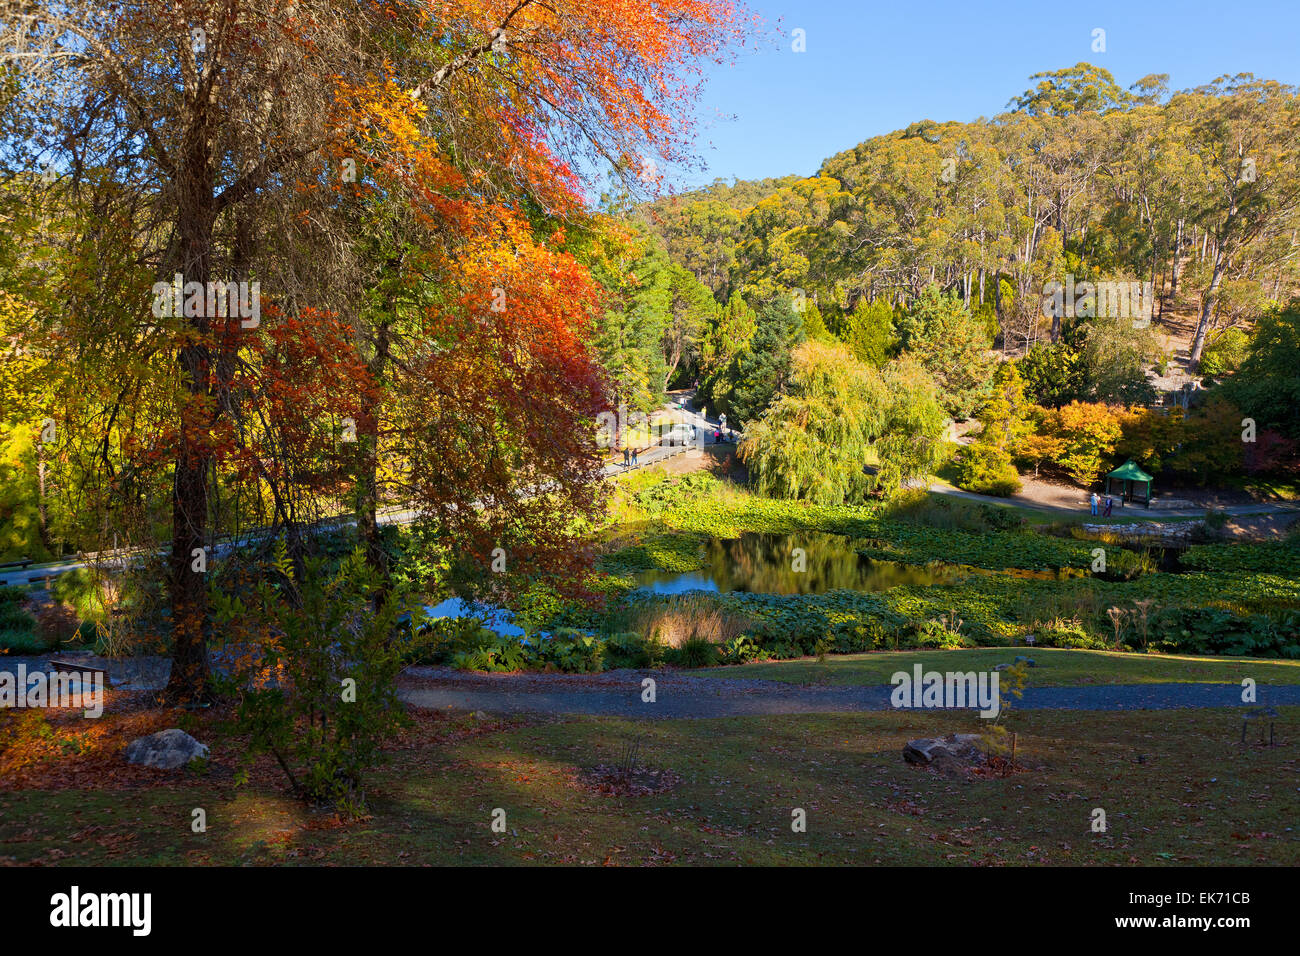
x,y
871,67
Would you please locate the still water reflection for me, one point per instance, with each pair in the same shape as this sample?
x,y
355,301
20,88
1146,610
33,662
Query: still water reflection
x,y
766,563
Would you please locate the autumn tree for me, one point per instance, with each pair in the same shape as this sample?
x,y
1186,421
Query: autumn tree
x,y
233,127
1085,437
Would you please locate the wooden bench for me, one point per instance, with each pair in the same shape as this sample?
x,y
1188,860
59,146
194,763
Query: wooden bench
x,y
72,666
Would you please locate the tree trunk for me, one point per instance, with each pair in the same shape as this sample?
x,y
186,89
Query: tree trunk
x,y
997,308
1177,258
43,528
672,367
190,618
368,472
1207,309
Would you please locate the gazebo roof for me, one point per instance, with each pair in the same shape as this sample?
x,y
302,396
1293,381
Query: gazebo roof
x,y
1130,472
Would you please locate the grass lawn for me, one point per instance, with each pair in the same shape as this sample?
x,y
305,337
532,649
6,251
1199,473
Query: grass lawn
x,y
1054,668
1198,797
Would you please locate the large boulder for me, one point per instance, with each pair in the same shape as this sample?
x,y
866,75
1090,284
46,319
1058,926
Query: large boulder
x,y
167,749
955,748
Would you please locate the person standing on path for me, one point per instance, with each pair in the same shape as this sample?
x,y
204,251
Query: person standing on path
x,y
627,456
634,457
1108,504
1094,504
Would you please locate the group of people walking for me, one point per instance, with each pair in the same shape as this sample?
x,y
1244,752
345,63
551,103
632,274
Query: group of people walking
x,y
720,434
1099,503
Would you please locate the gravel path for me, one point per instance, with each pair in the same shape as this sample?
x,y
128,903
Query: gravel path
x,y
618,693
1053,504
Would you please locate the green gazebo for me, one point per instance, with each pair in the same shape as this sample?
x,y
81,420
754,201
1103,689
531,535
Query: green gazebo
x,y
1123,481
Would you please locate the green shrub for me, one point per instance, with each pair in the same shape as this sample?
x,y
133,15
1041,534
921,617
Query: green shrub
x,y
872,635
22,642
941,634
695,652
573,652
742,650
443,637
1068,634
628,649
987,470
80,589
1201,630
11,595
493,653
319,694
1001,519
1224,352
16,619
466,646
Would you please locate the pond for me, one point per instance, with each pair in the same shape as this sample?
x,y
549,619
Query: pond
x,y
766,563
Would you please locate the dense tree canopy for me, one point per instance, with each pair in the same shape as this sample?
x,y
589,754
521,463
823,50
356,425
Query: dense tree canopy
x,y
1080,179
838,414
399,181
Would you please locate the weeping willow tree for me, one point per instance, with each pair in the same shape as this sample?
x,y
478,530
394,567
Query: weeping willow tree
x,y
839,416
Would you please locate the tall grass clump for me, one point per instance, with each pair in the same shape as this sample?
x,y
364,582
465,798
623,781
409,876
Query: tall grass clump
x,y
684,618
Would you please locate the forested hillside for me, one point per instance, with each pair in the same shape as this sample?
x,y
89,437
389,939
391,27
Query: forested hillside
x,y
1119,244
